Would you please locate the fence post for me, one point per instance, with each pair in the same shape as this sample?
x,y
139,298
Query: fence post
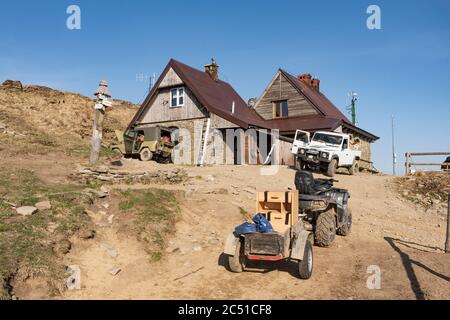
x,y
408,164
447,241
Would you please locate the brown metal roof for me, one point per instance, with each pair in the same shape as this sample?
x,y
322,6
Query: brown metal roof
x,y
216,96
325,106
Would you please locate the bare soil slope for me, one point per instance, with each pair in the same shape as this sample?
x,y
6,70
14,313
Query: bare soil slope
x,y
402,239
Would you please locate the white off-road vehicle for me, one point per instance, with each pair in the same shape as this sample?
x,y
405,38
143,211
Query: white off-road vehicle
x,y
326,151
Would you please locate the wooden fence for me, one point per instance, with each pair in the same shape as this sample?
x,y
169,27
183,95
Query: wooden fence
x,y
409,162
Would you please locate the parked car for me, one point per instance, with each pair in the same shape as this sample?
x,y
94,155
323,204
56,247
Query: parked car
x,y
149,143
326,152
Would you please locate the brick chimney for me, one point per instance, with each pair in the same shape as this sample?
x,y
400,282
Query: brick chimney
x,y
306,78
213,70
315,84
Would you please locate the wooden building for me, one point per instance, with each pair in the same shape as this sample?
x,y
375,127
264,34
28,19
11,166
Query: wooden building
x,y
216,126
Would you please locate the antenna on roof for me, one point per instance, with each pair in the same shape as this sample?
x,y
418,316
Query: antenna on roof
x,y
352,107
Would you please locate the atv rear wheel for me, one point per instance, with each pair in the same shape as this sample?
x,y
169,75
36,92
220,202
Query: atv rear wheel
x,y
325,231
347,227
146,155
332,166
237,262
354,169
305,266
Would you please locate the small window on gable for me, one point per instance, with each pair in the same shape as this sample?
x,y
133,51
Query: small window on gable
x,y
177,97
280,109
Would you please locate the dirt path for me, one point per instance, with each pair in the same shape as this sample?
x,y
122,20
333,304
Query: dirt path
x,y
405,242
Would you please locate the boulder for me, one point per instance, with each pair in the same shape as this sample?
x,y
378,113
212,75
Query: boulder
x,y
11,84
27,210
43,205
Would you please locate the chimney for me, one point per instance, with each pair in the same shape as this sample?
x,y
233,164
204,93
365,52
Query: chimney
x,y
306,78
315,84
213,70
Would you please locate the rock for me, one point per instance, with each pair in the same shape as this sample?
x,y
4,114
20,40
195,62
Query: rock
x,y
115,271
105,189
62,247
209,178
110,219
105,178
102,169
105,205
43,205
100,194
197,248
87,234
27,210
11,84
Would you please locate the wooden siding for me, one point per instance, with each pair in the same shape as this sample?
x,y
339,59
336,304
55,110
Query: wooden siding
x,y
171,79
281,89
220,123
160,109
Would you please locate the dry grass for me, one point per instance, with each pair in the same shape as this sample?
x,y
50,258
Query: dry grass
x,y
156,212
25,242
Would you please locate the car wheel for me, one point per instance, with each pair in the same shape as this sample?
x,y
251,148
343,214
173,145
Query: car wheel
x,y
305,266
237,262
146,155
354,169
332,166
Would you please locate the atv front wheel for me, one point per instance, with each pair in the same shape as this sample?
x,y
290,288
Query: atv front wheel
x,y
347,227
146,155
305,266
332,166
237,262
325,231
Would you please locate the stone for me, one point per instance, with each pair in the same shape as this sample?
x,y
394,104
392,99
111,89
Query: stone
x,y
209,178
197,248
102,169
27,210
52,227
63,247
11,84
101,194
43,205
110,219
87,234
105,189
249,190
114,271
105,205
105,178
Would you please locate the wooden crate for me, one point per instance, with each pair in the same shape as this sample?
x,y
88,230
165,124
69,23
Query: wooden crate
x,y
280,208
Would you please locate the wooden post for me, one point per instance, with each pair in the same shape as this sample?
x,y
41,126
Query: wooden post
x,y
97,135
102,103
447,242
408,164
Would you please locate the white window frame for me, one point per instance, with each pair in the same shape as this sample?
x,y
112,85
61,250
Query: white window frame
x,y
177,97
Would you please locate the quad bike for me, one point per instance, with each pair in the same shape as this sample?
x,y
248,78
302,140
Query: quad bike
x,y
325,208
289,241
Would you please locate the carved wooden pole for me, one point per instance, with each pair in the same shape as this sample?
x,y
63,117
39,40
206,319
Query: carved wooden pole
x,y
102,103
447,242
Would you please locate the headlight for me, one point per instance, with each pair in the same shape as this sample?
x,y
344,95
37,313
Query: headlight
x,y
302,151
324,155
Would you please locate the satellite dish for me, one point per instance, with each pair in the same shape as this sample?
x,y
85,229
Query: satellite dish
x,y
252,102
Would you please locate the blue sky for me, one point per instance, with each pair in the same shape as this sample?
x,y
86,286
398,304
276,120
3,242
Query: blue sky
x,y
401,70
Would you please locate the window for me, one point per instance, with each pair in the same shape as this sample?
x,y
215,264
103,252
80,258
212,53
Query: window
x,y
280,109
177,97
